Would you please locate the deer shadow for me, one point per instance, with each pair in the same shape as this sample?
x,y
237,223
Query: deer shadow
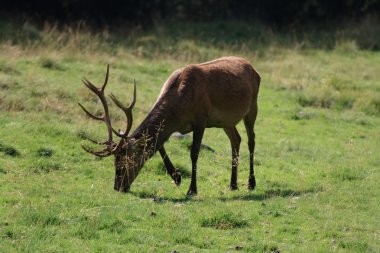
x,y
271,193
161,199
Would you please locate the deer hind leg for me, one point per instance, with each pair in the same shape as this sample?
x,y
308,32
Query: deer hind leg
x,y
195,147
249,122
170,169
235,140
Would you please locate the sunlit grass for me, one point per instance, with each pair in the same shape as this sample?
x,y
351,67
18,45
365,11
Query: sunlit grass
x,y
317,161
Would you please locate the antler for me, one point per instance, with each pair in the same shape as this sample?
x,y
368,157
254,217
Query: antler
x,y
111,146
127,111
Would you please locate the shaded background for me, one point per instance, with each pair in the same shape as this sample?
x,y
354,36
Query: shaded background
x,y
275,12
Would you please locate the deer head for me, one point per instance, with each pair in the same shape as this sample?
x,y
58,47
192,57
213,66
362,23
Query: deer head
x,y
126,149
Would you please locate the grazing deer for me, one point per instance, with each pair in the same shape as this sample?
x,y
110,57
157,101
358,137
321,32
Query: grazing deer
x,y
217,93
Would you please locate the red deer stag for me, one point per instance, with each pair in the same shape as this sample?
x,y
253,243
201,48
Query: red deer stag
x,y
217,93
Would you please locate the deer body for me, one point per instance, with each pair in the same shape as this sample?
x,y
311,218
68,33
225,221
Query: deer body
x,y
218,93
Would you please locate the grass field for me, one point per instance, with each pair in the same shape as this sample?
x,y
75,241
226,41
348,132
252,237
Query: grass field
x,y
317,145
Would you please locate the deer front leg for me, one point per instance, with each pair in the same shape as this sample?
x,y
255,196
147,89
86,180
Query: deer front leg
x,y
195,147
170,169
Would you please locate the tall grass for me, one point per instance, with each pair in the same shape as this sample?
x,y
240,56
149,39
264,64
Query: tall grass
x,y
173,38
346,86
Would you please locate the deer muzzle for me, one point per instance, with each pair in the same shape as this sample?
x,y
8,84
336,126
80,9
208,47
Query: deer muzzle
x,y
120,186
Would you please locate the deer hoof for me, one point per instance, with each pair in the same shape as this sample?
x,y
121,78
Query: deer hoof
x,y
191,192
233,187
177,178
251,182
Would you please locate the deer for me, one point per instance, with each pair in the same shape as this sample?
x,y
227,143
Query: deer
x,y
218,93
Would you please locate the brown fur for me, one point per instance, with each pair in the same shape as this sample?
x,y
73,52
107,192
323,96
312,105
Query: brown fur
x,y
218,93
221,92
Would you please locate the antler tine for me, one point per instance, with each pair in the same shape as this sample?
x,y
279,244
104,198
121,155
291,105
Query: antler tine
x,y
134,95
103,153
128,113
89,114
120,105
106,79
89,85
96,142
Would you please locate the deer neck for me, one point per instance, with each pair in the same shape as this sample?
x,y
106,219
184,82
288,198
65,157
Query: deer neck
x,y
155,130
152,133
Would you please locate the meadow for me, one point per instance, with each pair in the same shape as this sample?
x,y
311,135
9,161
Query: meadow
x,y
317,143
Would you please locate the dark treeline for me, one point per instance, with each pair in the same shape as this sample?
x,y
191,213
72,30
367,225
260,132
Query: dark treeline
x,y
277,12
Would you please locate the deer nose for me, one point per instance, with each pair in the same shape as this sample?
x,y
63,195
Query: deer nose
x,y
119,187
124,189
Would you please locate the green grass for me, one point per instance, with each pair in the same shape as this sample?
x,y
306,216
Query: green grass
x,y
317,151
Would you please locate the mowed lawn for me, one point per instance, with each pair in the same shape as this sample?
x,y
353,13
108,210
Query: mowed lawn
x,y
317,152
